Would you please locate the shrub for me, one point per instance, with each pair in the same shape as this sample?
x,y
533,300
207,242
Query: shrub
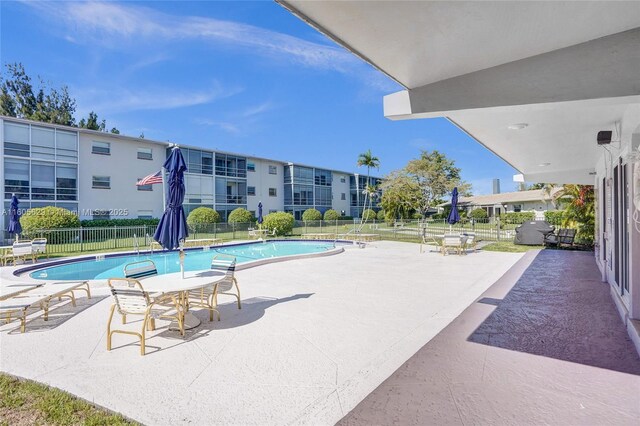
x,y
202,216
369,214
100,223
516,218
416,215
240,215
331,215
554,217
380,216
35,220
311,214
282,222
478,214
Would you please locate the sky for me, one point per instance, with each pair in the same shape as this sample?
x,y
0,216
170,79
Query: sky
x,y
245,77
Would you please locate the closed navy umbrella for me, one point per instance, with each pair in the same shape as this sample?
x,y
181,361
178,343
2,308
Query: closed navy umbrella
x,y
260,213
173,224
14,218
453,217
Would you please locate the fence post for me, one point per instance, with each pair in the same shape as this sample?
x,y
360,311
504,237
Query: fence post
x,y
498,228
336,228
115,237
81,239
215,230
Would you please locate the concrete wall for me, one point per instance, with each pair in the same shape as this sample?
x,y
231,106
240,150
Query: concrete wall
x,y
263,180
338,188
124,168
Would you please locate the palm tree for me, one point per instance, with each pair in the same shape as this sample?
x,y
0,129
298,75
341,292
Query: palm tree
x,y
368,160
579,211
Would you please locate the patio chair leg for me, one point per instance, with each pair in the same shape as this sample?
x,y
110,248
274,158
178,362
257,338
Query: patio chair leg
x,y
113,308
23,321
142,336
124,319
152,324
238,290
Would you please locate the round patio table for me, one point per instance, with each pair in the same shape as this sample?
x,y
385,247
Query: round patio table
x,y
174,283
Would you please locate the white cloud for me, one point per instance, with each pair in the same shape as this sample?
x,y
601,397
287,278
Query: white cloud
x,y
112,24
118,100
257,109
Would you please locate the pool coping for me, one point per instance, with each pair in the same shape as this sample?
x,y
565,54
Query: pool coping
x,y
20,273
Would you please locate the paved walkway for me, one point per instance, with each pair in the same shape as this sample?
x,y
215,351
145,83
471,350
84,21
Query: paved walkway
x,y
313,338
544,345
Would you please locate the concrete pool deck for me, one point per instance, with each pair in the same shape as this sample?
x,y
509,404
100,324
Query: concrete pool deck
x,y
313,339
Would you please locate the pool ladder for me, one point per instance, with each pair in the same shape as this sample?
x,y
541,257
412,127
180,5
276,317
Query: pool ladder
x,y
136,246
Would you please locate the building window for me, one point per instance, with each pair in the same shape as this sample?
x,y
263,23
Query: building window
x,y
323,196
145,154
16,178
144,187
66,182
273,211
43,183
343,196
16,140
273,170
102,148
251,167
251,190
101,182
517,208
232,166
253,213
100,215
323,177
342,179
272,192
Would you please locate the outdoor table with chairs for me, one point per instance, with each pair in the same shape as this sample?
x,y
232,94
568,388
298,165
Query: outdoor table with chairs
x,y
144,292
21,251
459,243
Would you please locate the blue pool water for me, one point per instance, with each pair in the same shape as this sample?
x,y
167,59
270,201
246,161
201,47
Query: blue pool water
x,y
167,262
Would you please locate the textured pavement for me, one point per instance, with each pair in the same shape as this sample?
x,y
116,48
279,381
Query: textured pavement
x,y
544,345
314,337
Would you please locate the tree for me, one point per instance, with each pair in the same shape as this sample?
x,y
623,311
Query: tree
x,y
202,216
92,123
18,99
401,195
331,215
240,215
368,160
311,215
579,209
436,176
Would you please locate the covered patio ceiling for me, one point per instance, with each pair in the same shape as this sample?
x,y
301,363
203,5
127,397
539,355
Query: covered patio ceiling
x,y
565,69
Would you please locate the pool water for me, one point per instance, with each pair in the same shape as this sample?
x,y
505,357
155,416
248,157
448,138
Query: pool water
x,y
168,262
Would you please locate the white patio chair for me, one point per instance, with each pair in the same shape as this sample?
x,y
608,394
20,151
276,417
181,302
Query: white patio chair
x,y
452,242
471,242
39,247
131,299
20,251
207,297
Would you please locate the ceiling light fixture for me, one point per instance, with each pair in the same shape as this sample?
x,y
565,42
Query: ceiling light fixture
x,y
517,126
544,164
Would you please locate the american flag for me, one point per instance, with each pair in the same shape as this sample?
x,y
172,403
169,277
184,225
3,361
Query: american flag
x,y
151,179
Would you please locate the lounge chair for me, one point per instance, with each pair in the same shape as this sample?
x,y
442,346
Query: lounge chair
x,y
564,238
207,297
472,241
455,242
39,297
20,251
39,247
131,299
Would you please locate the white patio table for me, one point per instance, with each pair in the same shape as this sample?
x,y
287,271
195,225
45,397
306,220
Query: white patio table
x,y
174,283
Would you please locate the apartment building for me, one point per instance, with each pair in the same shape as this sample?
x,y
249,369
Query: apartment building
x,y
95,174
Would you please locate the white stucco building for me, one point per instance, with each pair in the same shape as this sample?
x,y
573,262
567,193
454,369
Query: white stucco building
x,y
534,82
95,174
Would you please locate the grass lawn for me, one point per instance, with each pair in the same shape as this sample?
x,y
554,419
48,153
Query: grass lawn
x,y
23,402
510,247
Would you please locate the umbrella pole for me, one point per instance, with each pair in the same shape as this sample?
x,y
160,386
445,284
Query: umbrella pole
x,y
164,189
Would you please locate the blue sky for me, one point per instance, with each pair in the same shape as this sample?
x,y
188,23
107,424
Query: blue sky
x,y
245,77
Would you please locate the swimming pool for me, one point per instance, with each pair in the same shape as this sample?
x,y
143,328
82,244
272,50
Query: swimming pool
x,y
100,267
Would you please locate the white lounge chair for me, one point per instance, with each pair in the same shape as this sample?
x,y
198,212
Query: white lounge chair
x,y
455,242
39,298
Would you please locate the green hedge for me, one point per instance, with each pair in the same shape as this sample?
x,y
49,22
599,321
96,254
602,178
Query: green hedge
x,y
311,214
282,222
478,214
331,215
201,217
369,214
380,216
554,217
240,215
49,218
100,223
516,218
